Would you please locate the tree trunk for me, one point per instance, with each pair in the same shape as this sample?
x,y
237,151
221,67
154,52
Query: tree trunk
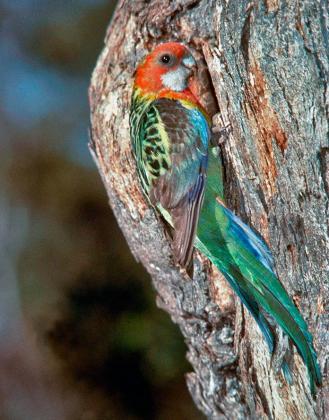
x,y
268,63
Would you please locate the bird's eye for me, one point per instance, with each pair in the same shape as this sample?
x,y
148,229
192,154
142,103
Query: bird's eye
x,y
165,59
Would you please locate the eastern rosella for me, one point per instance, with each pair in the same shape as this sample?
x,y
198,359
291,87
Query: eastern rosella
x,y
181,176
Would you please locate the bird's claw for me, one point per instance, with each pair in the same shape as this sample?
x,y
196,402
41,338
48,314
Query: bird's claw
x,y
282,354
220,133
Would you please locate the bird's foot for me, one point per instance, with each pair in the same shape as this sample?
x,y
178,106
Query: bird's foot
x,y
282,358
220,133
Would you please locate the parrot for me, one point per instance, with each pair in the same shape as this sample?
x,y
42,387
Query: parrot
x,y
181,175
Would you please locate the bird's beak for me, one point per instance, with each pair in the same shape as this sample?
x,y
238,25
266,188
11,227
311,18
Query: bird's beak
x,y
189,62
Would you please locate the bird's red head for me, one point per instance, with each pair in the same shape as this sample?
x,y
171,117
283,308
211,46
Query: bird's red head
x,y
167,68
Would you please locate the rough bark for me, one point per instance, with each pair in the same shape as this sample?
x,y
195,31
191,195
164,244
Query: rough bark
x,y
268,62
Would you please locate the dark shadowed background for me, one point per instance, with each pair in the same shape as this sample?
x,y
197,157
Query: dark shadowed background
x,y
81,337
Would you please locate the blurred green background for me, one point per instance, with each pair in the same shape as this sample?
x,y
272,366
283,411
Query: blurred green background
x,y
81,337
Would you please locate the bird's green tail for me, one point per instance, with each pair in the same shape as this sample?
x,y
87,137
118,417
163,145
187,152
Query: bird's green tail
x,y
246,262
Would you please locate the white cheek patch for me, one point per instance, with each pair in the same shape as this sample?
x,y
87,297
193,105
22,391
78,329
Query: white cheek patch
x,y
176,79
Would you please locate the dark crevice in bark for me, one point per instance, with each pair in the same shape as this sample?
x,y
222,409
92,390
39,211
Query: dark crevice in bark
x,y
324,164
245,36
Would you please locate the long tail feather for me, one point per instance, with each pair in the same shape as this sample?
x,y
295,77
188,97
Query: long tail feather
x,y
245,260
